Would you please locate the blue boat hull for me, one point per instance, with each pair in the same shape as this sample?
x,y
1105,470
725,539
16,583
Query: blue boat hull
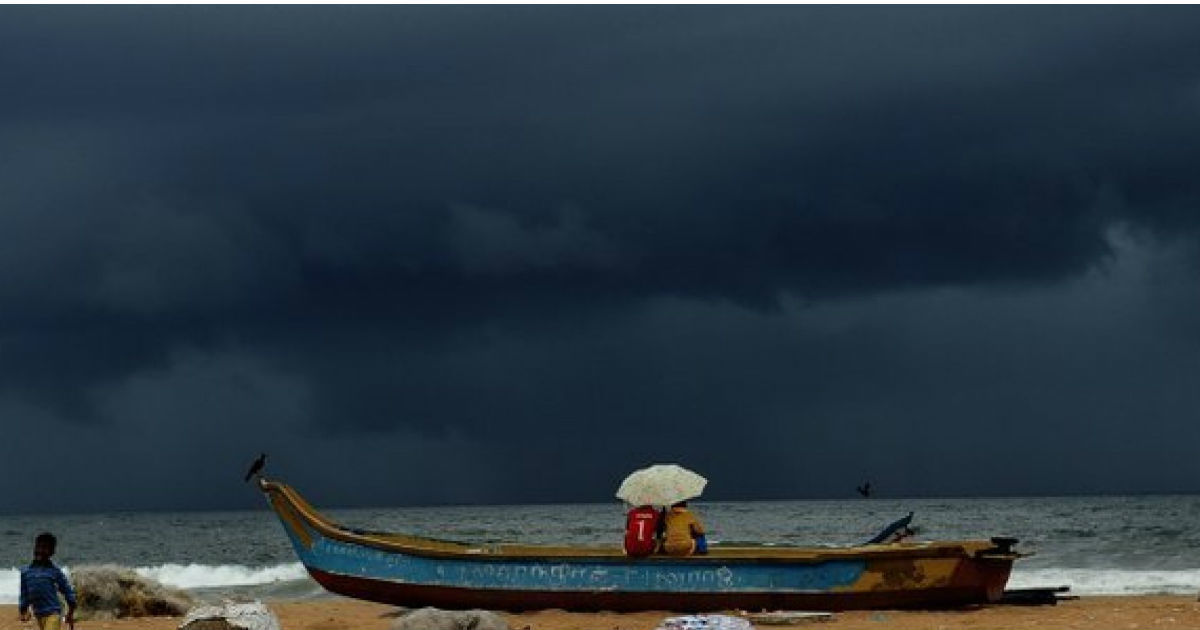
x,y
408,571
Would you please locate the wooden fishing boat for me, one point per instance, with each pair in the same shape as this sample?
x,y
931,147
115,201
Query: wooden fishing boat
x,y
413,571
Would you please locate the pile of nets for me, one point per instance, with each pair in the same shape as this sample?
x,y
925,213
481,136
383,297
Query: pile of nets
x,y
231,616
109,591
434,619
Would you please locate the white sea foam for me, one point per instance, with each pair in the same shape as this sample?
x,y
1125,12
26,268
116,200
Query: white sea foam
x,y
10,584
1110,581
185,576
208,576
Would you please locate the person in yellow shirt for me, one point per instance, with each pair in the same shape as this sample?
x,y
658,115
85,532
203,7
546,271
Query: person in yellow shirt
x,y
682,530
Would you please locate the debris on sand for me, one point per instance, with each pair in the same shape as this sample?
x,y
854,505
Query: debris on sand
x,y
435,619
109,591
231,616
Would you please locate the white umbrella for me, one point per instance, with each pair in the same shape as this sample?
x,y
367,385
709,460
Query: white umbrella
x,y
661,485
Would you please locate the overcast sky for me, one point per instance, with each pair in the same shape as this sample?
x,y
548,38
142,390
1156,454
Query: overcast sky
x,y
427,255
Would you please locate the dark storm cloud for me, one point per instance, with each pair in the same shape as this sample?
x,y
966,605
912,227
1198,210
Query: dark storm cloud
x,y
488,227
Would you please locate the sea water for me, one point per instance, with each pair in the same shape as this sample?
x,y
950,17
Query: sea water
x,y
1095,545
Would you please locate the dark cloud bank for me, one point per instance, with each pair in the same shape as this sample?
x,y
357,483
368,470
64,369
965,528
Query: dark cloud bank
x,y
487,254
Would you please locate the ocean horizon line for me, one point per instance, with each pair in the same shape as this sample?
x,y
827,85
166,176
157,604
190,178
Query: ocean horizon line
x,y
697,501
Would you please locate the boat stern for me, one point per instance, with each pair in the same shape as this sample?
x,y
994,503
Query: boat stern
x,y
991,567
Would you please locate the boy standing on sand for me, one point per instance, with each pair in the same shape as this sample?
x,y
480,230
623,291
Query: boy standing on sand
x,y
41,582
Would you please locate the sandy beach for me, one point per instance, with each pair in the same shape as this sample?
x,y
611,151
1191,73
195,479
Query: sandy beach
x,y
1099,613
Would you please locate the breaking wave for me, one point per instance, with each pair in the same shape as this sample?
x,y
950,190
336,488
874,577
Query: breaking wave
x,y
1110,581
208,576
10,582
188,577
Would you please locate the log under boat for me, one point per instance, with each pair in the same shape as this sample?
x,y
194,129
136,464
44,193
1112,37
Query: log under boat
x,y
412,571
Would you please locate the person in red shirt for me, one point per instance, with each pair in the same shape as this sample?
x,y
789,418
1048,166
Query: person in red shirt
x,y
642,528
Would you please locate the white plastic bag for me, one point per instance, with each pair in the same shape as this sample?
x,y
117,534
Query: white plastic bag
x,y
704,622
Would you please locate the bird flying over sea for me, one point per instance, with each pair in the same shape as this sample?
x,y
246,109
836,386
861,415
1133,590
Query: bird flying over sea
x,y
865,489
257,466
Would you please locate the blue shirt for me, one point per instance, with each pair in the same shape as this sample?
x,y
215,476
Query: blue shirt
x,y
40,586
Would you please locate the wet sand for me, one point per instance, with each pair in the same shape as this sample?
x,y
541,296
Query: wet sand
x,y
1099,613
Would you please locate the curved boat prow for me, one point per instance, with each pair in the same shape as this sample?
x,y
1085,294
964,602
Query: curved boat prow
x,y
400,569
